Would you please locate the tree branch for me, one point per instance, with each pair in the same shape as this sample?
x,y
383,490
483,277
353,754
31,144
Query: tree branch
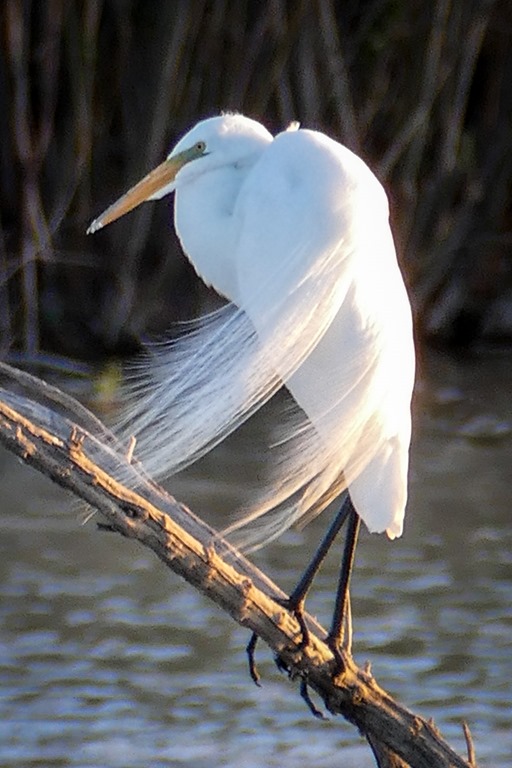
x,y
75,459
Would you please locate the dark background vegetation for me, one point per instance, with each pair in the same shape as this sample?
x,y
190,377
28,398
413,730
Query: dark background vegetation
x,y
94,93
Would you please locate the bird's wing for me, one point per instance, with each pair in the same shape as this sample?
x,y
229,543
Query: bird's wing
x,y
316,265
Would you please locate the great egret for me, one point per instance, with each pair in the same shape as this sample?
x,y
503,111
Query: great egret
x,y
294,232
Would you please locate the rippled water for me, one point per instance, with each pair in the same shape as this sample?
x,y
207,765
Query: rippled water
x,y
108,659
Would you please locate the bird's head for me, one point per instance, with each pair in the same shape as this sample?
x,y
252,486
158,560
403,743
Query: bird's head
x,y
228,139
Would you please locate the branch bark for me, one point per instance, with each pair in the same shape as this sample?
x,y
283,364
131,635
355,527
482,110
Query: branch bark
x,y
74,458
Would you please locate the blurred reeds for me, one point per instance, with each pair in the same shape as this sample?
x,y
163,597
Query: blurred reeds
x,y
94,92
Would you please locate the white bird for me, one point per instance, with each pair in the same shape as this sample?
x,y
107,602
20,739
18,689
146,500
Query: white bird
x,y
294,231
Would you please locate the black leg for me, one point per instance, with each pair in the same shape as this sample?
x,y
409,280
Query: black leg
x,y
251,647
336,636
295,602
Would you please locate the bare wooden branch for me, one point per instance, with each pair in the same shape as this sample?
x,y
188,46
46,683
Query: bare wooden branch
x,y
138,509
469,744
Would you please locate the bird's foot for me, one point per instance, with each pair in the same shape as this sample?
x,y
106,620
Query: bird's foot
x,y
303,689
283,667
295,607
337,648
253,670
304,692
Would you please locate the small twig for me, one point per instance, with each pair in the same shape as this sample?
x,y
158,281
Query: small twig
x,y
469,744
131,447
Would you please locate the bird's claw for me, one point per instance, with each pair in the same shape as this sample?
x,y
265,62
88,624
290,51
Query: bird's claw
x,y
253,670
309,701
297,609
334,646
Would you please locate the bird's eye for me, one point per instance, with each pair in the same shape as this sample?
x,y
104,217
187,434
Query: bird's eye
x,y
200,146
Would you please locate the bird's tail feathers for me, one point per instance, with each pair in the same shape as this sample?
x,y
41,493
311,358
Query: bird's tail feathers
x,y
188,395
307,474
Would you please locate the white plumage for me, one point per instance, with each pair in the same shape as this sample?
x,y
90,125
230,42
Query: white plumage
x,y
294,232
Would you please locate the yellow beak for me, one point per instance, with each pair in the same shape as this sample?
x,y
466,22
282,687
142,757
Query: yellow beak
x,y
156,181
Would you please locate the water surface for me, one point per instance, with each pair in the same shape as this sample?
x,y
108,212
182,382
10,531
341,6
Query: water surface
x,y
108,659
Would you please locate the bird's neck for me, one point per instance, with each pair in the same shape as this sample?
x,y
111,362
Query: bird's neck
x,y
203,216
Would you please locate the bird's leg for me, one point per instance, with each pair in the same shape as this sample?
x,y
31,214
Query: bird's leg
x,y
295,602
337,638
